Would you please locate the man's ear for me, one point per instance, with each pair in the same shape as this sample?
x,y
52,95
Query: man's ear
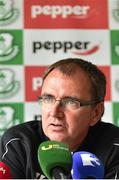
x,y
97,113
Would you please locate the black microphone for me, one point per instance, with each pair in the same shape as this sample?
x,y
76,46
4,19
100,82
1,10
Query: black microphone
x,y
55,160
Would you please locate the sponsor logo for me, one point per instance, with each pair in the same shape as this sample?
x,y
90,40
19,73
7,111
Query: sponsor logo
x,y
39,176
2,170
33,81
9,116
115,12
115,46
63,11
8,13
50,146
116,113
117,85
117,122
106,71
89,160
78,48
89,51
53,146
7,49
117,49
66,14
8,85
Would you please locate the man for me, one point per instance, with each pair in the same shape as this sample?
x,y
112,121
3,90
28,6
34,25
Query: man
x,y
72,99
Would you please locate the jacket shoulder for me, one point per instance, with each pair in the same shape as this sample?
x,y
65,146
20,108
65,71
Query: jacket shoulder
x,y
23,130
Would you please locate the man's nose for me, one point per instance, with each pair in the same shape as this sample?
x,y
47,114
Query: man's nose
x,y
57,110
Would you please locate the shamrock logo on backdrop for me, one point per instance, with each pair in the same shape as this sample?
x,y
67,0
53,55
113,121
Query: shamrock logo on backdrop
x,y
115,12
8,13
117,49
117,121
117,85
7,49
8,86
7,118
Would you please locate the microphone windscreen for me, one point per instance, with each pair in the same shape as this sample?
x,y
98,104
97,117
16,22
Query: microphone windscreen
x,y
87,165
53,154
4,171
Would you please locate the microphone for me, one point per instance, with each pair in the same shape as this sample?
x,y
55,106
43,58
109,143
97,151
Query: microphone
x,y
4,171
55,160
87,166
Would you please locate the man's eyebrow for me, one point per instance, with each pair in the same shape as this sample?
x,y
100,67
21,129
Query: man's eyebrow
x,y
64,97
71,97
47,94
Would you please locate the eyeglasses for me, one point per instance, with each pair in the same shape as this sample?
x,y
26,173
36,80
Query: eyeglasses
x,y
67,102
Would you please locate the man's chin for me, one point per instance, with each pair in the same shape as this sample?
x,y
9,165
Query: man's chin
x,y
55,138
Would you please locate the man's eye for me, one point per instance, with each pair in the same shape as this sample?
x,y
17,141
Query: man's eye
x,y
48,98
71,101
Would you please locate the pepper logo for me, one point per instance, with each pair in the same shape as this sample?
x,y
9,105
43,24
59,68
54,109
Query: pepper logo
x,y
90,51
7,49
8,13
64,11
8,86
77,48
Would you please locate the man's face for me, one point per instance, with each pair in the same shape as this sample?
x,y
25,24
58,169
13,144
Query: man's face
x,y
62,124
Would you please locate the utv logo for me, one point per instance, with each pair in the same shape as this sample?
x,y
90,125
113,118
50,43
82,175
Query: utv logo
x,y
7,118
8,13
7,49
115,12
8,86
89,160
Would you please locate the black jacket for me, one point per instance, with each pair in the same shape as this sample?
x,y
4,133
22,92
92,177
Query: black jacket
x,y
19,145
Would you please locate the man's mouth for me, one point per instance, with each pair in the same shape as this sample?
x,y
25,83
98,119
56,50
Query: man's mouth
x,y
57,126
